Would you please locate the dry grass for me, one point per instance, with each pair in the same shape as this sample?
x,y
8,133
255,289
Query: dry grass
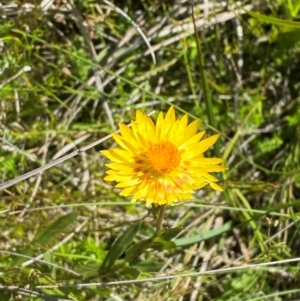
x,y
70,72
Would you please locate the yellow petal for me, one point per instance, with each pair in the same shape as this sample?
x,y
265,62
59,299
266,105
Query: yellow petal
x,y
125,130
191,141
216,186
192,129
209,161
117,155
160,133
202,146
131,165
140,117
170,116
128,144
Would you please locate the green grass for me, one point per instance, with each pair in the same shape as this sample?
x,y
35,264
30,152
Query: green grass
x,y
64,87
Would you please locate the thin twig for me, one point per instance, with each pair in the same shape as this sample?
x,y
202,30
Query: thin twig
x,y
39,261
166,277
51,164
120,11
55,162
61,242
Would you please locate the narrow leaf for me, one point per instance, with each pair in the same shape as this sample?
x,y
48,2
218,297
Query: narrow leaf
x,y
170,233
135,250
130,272
162,245
203,236
149,265
46,235
119,247
273,20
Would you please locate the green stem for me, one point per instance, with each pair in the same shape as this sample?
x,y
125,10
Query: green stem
x,y
161,214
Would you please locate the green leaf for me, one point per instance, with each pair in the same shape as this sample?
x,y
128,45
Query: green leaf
x,y
162,245
136,249
103,291
203,236
46,236
88,270
119,247
162,242
273,20
170,233
130,272
288,38
148,265
5,296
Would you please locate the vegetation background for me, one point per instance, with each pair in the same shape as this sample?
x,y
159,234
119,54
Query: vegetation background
x,y
71,71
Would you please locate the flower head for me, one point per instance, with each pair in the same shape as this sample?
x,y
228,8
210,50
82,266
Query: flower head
x,y
162,163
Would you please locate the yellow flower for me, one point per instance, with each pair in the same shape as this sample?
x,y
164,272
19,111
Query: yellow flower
x,y
163,163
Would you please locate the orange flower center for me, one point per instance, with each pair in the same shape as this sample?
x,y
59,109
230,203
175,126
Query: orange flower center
x,y
163,157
